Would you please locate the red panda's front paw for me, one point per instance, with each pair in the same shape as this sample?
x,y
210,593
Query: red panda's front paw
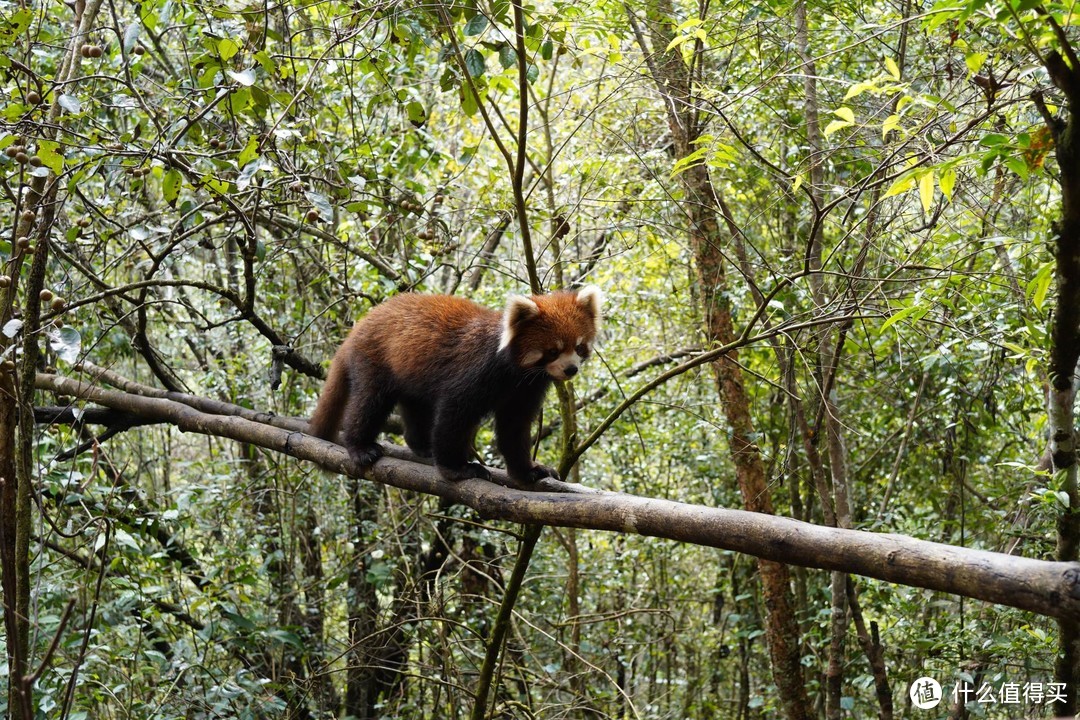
x,y
539,472
468,470
366,455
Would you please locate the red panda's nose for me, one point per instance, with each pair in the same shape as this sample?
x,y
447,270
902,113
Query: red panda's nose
x,y
570,371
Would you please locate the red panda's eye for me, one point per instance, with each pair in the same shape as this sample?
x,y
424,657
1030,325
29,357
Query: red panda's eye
x,y
550,354
582,350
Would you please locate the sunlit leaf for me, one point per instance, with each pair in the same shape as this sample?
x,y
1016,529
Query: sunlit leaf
x,y
893,68
227,48
926,190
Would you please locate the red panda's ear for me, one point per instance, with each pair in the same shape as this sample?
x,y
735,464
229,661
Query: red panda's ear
x,y
590,298
519,309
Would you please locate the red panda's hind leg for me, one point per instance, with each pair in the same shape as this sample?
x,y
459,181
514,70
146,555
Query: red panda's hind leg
x,y
366,409
452,432
419,419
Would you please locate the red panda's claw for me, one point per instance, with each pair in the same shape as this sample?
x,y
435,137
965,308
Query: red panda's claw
x,y
366,456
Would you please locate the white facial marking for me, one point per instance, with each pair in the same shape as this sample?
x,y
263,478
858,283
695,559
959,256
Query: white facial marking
x,y
531,357
557,368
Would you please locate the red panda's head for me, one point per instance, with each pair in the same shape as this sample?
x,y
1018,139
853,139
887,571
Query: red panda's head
x,y
553,332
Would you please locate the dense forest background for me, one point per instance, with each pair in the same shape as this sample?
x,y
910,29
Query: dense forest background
x,y
840,250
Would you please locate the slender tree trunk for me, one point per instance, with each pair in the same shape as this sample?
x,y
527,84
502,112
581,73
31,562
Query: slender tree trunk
x,y
1065,349
702,206
363,608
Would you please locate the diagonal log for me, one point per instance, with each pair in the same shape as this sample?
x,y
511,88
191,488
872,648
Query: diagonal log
x,y
1040,586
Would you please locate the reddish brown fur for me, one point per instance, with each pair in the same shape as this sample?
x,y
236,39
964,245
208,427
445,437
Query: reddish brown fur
x,y
446,363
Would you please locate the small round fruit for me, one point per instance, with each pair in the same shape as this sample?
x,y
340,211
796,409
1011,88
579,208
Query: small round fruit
x,y
22,158
96,51
33,97
36,161
84,50
7,366
58,304
46,295
5,281
22,243
312,215
83,222
28,216
11,150
139,50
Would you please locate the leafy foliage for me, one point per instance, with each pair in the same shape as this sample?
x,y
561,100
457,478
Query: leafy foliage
x,y
238,183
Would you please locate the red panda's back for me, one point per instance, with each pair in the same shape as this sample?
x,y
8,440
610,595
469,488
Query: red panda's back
x,y
417,336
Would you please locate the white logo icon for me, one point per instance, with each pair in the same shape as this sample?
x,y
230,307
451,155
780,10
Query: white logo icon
x,y
925,693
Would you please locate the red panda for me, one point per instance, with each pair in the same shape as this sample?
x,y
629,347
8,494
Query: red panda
x,y
447,362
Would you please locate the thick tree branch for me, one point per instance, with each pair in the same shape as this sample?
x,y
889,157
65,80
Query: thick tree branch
x,y
1040,586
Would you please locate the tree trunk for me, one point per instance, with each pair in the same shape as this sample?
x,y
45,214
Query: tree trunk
x,y
1064,352
675,81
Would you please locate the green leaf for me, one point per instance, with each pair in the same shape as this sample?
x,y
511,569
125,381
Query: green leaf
x,y
1017,165
893,68
859,88
974,61
902,184
170,186
891,123
845,113
676,42
926,190
469,102
1039,285
689,161
947,182
16,25
220,187
238,620
249,153
267,62
227,48
417,113
836,125
507,56
477,24
48,151
474,62
915,312
239,100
